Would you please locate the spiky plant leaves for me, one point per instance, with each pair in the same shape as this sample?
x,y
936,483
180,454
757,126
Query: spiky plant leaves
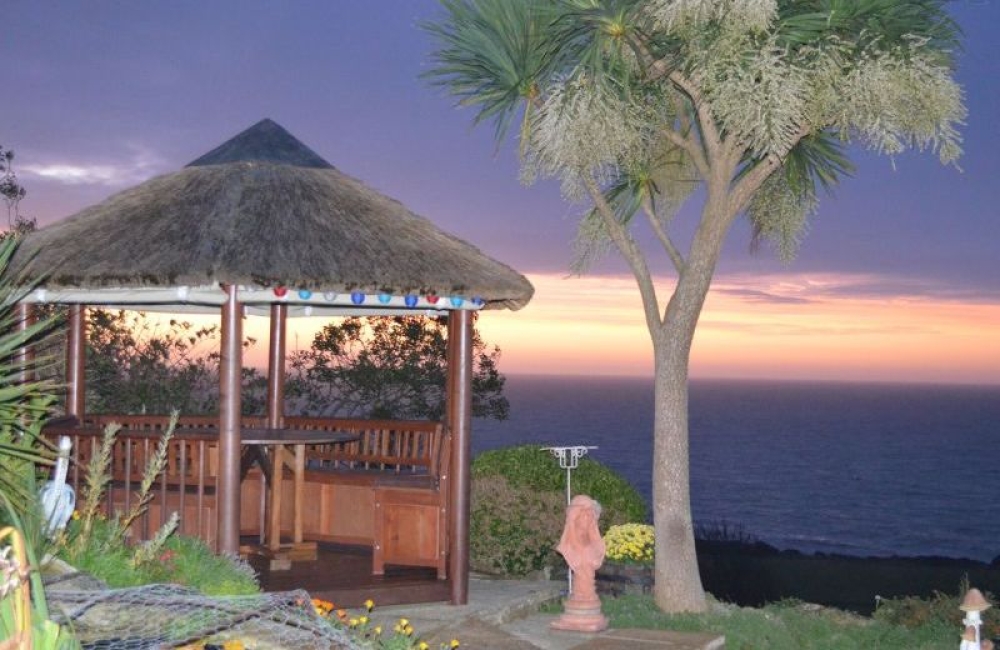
x,y
24,404
494,55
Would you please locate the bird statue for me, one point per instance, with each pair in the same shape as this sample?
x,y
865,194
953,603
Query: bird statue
x,y
58,499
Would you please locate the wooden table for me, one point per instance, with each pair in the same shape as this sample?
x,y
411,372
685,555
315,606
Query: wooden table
x,y
269,448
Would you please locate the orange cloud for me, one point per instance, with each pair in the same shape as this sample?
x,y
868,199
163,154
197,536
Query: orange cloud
x,y
823,327
848,327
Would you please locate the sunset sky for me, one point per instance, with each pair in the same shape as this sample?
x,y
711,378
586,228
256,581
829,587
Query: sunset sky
x,y
898,279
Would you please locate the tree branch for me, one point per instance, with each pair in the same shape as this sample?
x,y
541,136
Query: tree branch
x,y
710,137
660,68
690,145
631,253
661,234
744,189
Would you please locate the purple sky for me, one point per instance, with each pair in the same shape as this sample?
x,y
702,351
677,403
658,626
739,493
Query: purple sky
x,y
99,96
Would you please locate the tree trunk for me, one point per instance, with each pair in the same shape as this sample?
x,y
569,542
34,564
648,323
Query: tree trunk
x,y
678,585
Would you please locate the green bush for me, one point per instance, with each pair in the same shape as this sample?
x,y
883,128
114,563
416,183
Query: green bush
x,y
513,530
939,609
531,467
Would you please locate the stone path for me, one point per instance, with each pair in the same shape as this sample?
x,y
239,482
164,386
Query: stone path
x,y
503,615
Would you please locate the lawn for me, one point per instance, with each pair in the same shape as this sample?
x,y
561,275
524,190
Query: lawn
x,y
784,626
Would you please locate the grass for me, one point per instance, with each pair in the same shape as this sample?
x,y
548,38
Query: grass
x,y
787,625
181,560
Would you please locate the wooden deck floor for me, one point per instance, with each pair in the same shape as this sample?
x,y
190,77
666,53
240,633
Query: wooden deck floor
x,y
342,575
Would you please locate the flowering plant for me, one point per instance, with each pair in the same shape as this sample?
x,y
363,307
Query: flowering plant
x,y
630,543
371,635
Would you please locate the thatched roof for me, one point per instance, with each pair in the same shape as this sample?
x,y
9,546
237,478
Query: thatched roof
x,y
263,211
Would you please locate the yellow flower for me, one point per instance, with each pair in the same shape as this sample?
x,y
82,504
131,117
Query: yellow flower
x,y
378,630
630,543
369,604
423,646
233,645
76,515
363,620
403,622
353,622
454,643
408,630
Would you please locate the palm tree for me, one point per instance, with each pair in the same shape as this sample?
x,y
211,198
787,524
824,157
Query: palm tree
x,y
633,104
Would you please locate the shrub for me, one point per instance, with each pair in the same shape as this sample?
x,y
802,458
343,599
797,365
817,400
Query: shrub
x,y
939,609
531,467
514,529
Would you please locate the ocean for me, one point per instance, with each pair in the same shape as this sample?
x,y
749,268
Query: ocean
x,y
849,468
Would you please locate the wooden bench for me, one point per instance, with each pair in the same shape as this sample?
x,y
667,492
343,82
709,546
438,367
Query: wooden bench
x,y
388,489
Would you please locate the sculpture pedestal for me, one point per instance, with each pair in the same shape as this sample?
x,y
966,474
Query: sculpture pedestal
x,y
581,616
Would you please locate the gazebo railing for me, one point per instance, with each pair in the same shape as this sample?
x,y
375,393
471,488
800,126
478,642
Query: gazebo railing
x,y
338,474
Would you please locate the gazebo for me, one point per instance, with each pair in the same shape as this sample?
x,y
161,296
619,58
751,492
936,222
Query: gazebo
x,y
263,225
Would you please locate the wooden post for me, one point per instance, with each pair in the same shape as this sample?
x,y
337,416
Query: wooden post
x,y
230,372
275,420
460,423
26,355
76,356
276,367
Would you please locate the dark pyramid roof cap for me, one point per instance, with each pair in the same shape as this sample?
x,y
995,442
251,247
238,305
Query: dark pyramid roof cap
x,y
265,141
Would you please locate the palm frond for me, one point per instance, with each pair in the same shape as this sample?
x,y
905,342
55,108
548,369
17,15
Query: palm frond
x,y
882,24
494,54
600,37
818,160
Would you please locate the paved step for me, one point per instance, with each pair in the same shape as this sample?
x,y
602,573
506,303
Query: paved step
x,y
503,615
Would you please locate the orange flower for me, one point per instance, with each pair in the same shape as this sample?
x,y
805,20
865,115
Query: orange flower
x,y
322,607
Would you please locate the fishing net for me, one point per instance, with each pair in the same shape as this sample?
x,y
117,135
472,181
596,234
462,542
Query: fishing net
x,y
171,616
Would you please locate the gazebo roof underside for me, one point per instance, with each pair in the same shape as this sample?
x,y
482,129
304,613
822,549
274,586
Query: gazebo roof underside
x,y
261,211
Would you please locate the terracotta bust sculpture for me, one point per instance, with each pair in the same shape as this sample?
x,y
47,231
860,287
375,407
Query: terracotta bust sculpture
x,y
583,547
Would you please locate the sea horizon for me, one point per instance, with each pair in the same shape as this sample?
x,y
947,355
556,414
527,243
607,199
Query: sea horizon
x,y
817,380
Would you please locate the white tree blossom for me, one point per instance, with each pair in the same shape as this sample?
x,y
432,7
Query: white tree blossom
x,y
752,15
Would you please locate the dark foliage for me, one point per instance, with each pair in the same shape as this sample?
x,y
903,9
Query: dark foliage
x,y
389,367
136,366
